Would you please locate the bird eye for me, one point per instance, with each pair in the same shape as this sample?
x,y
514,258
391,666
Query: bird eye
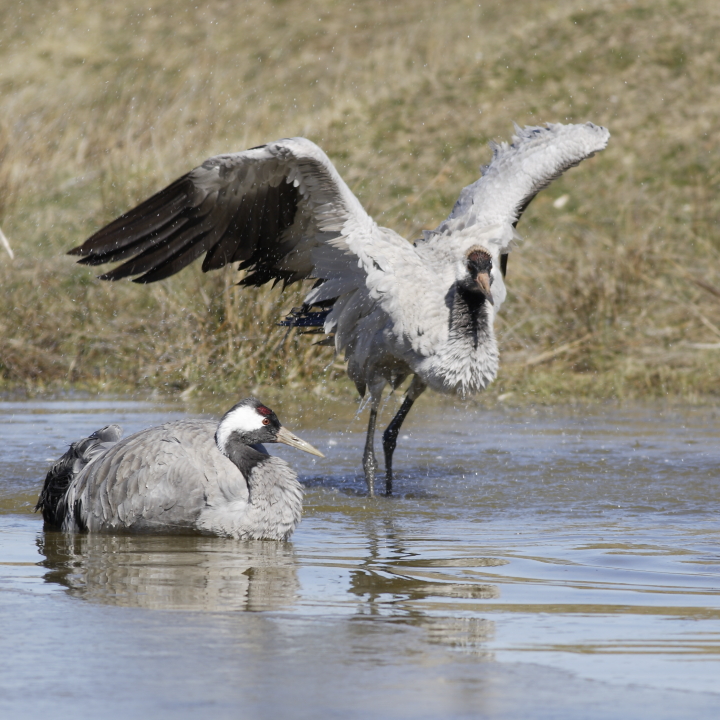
x,y
266,421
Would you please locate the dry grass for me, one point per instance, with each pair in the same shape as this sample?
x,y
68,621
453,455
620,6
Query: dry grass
x,y
613,295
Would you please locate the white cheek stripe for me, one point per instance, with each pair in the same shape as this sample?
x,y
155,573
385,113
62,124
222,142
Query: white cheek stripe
x,y
244,419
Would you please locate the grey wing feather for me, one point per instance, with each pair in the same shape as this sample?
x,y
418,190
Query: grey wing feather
x,y
156,479
517,172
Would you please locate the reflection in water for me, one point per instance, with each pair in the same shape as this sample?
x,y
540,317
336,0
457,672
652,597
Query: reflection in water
x,y
172,572
180,572
390,571
384,582
391,579
469,634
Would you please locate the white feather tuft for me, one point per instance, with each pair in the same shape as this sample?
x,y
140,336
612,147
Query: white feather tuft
x,y
243,419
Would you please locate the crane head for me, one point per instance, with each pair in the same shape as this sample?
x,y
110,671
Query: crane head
x,y
479,265
252,423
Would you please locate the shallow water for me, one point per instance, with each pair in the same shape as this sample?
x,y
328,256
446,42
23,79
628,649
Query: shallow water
x,y
558,563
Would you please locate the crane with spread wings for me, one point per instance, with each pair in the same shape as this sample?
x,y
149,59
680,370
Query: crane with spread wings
x,y
395,309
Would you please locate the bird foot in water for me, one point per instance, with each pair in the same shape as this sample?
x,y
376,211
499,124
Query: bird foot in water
x,y
388,482
370,467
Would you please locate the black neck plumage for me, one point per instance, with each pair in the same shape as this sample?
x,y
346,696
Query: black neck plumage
x,y
245,457
469,316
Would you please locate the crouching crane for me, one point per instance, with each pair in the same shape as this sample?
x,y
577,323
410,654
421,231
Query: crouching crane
x,y
396,309
185,476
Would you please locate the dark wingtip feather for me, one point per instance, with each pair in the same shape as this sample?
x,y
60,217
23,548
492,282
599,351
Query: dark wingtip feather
x,y
142,280
92,260
51,501
146,217
159,273
170,230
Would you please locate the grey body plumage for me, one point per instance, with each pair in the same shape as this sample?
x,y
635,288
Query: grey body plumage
x,y
185,476
394,309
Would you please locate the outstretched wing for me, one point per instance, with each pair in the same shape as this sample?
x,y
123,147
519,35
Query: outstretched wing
x,y
266,208
284,213
517,173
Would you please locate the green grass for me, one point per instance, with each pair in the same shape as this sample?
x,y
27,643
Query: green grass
x,y
103,104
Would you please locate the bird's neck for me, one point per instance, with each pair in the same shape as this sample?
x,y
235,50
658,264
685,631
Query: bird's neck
x,y
469,318
468,360
246,458
252,461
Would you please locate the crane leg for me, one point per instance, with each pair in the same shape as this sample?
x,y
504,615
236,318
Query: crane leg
x,y
393,429
369,462
390,441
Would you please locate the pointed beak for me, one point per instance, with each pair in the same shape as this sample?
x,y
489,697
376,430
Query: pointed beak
x,y
483,281
287,438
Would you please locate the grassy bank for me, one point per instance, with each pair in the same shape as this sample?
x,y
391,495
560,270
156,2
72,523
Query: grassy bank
x,y
615,291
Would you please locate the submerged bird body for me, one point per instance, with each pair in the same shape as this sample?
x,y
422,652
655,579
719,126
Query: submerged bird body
x,y
185,476
395,309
